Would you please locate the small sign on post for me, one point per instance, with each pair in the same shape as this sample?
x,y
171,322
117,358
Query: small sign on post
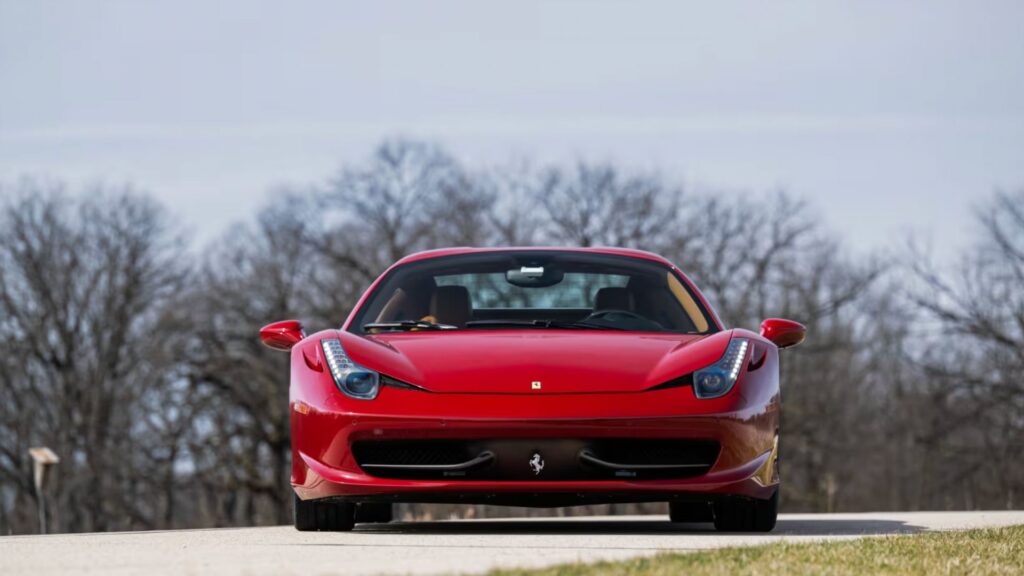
x,y
43,459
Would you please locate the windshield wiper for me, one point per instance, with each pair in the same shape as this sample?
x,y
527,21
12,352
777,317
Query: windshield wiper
x,y
408,325
502,323
538,324
582,324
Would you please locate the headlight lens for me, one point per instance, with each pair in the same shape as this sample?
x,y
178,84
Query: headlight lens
x,y
351,378
716,380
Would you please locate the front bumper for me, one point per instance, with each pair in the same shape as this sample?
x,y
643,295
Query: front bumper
x,y
744,426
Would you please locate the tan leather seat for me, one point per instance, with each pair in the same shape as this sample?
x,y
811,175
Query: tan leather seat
x,y
614,298
450,305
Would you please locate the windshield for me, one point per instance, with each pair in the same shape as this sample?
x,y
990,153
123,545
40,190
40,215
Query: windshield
x,y
530,290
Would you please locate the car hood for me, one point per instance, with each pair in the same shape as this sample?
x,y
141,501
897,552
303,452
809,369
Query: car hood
x,y
535,361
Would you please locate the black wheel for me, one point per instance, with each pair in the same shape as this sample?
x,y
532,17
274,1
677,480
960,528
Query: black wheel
x,y
323,516
746,514
374,512
690,512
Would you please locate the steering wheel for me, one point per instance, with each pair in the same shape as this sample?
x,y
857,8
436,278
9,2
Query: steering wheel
x,y
611,313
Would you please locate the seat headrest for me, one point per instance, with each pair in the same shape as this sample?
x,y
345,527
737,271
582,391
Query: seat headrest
x,y
450,305
613,298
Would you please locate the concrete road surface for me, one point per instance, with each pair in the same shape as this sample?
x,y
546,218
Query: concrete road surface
x,y
434,547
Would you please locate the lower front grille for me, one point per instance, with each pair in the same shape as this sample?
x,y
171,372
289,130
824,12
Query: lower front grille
x,y
536,459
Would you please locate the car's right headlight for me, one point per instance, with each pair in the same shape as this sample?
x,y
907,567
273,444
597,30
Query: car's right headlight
x,y
717,379
352,379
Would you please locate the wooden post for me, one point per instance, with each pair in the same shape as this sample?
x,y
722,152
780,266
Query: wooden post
x,y
43,459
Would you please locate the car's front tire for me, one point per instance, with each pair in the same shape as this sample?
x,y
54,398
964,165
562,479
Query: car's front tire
x,y
746,514
313,516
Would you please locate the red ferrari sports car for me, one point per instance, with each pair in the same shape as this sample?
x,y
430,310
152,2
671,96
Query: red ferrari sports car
x,y
534,377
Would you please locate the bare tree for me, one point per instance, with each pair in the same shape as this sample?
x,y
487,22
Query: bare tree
x,y
83,286
411,196
512,217
974,368
595,205
255,275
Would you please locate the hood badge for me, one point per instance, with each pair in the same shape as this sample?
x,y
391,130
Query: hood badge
x,y
536,463
535,385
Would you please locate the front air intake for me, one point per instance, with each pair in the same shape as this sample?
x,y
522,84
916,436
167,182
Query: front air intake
x,y
521,459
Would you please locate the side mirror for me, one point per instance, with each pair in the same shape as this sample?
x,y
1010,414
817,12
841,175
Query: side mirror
x,y
282,335
783,333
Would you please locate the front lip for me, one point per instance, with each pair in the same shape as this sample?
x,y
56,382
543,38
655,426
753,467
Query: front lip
x,y
326,481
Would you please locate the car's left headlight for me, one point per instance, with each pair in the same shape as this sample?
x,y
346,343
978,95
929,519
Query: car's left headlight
x,y
352,379
717,379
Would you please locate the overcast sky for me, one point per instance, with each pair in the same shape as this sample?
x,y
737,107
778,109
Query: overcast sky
x,y
891,116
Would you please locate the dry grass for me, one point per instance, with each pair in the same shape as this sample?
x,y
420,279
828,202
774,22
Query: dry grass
x,y
974,552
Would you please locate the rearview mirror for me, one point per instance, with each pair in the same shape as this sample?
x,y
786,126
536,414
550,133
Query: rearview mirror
x,y
783,333
534,276
282,335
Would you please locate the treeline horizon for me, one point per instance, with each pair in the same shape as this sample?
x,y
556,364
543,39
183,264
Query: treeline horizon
x,y
135,357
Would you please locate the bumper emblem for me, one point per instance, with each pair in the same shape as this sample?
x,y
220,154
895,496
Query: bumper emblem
x,y
536,463
535,385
